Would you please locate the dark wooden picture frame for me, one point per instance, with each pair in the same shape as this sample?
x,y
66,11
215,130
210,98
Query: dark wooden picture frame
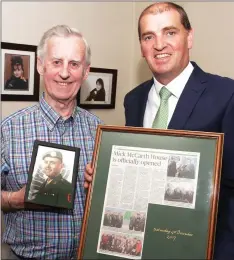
x,y
20,79
173,226
60,163
91,97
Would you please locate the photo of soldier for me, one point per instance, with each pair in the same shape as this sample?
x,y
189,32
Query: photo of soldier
x,y
49,185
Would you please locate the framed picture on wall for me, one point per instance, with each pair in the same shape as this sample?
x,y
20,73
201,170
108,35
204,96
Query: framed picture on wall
x,y
20,79
99,90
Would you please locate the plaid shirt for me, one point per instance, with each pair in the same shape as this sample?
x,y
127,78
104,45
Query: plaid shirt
x,y
52,234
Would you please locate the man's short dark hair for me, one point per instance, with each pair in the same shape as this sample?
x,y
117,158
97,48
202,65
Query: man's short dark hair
x,y
183,15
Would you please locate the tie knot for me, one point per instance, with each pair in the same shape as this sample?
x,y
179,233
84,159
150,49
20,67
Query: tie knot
x,y
164,93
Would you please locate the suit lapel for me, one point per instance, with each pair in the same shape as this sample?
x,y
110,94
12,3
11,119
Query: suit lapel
x,y
189,98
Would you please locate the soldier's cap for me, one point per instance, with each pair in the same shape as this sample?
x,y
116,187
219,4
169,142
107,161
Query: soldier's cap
x,y
54,154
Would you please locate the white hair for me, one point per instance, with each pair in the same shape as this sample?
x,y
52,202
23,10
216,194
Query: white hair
x,y
62,31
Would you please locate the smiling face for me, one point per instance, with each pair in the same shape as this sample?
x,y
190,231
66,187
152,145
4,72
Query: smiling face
x,y
63,68
165,44
52,167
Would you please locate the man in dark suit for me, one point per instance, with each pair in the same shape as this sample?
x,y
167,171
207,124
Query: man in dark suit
x,y
198,101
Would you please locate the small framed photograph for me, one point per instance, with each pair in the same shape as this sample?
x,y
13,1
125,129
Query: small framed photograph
x,y
20,79
99,90
52,175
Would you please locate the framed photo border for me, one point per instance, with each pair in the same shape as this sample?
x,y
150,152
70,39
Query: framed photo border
x,y
36,80
114,73
175,133
36,145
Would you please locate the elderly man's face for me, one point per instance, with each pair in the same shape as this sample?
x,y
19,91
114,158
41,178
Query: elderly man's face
x,y
52,166
63,68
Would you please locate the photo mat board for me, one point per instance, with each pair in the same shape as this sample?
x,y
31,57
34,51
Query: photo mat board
x,y
146,201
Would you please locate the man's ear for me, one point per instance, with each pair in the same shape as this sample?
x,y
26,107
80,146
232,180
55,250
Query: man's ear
x,y
40,67
190,39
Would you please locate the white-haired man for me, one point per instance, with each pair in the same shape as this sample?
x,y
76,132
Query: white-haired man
x,y
64,63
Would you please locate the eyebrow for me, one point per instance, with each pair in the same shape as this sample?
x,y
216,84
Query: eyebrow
x,y
170,28
57,58
164,29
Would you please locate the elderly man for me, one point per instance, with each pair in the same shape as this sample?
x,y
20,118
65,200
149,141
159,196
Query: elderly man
x,y
64,63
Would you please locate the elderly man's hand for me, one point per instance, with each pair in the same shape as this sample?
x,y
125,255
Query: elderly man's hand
x,y
16,200
88,175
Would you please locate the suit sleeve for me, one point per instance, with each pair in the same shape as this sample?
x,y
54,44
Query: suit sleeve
x,y
228,151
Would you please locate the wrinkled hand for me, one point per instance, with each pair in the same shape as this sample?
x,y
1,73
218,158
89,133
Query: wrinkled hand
x,y
17,199
88,175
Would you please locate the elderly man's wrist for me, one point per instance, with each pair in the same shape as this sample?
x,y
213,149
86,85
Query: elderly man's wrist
x,y
9,195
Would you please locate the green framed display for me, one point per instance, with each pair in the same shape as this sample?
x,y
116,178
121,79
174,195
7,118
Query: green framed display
x,y
154,194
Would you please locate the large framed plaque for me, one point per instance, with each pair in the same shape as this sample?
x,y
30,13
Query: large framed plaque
x,y
154,194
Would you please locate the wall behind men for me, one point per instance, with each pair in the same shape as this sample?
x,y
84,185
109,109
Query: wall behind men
x,y
108,27
111,30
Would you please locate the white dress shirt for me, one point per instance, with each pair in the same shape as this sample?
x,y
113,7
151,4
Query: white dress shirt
x,y
176,86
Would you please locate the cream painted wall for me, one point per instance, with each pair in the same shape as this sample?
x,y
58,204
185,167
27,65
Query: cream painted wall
x,y
108,27
111,30
213,38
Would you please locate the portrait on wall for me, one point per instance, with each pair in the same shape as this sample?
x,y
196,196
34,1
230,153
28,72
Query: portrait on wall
x,y
20,79
52,175
99,89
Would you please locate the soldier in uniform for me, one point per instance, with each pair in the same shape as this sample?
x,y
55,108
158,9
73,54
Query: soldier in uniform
x,y
55,190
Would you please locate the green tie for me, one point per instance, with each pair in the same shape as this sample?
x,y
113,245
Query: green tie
x,y
160,120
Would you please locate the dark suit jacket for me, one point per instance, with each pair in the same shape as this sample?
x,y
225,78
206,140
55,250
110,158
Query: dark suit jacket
x,y
206,104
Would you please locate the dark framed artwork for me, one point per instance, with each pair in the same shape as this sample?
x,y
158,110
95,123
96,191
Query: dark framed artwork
x,y
20,79
154,194
52,175
99,89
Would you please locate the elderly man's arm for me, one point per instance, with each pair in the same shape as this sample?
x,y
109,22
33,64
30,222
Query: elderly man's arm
x,y
12,200
9,200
